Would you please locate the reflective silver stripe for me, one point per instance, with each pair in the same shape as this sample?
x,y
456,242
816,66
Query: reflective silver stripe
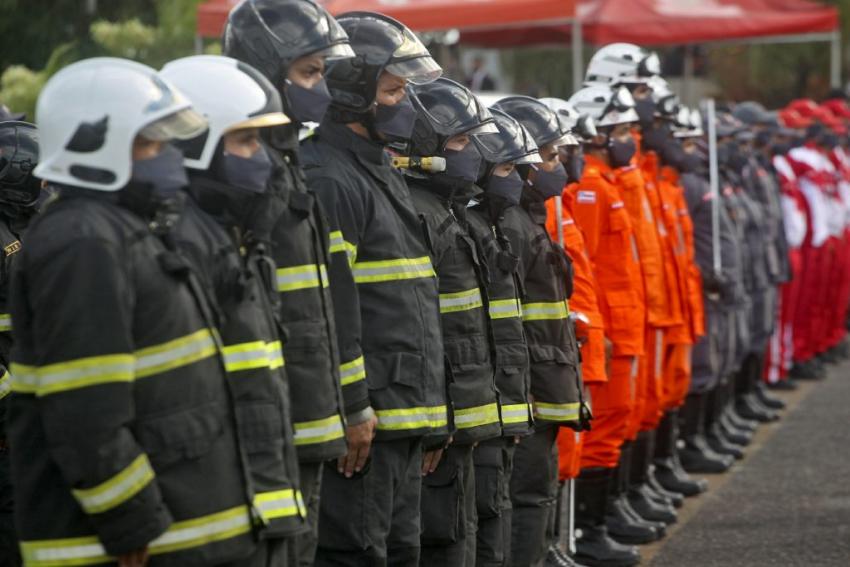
x,y
301,277
318,431
557,412
659,352
515,413
505,309
633,242
279,504
173,354
544,311
460,301
352,371
390,270
5,322
118,489
412,418
476,416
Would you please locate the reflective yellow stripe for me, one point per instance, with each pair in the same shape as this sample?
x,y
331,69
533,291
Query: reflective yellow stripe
x,y
557,412
186,534
110,368
505,308
515,413
545,311
411,418
319,431
117,489
302,277
5,322
5,385
280,504
340,244
353,371
391,270
256,354
460,301
174,354
477,416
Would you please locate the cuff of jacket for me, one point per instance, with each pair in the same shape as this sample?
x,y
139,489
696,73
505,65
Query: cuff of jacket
x,y
135,523
360,416
355,397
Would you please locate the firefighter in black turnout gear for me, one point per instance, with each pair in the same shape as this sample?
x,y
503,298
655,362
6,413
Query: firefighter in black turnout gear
x,y
19,194
555,371
385,289
122,428
229,171
447,116
290,41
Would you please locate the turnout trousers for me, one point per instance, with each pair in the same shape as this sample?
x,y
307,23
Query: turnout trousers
x,y
372,518
493,460
612,404
302,550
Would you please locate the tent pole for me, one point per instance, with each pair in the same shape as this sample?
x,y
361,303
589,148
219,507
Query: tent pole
x,y
835,60
199,44
688,74
578,56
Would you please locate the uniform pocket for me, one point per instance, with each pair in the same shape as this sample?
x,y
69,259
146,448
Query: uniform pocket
x,y
260,428
489,475
441,502
185,435
466,353
306,339
623,306
386,369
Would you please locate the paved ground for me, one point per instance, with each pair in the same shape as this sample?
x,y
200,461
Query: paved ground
x,y
787,503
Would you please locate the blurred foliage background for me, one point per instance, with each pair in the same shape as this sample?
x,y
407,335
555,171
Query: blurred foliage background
x,y
39,37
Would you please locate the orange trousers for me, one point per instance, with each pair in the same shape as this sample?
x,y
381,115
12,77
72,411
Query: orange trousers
x,y
569,453
677,375
648,403
612,404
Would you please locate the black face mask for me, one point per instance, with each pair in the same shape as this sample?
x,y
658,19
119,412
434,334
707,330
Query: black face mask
x,y
249,174
656,138
464,164
763,138
575,165
395,123
738,160
164,173
672,154
645,109
307,105
549,183
508,188
621,153
724,153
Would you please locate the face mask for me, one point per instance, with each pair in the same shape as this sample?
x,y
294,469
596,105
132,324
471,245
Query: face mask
x,y
656,139
508,188
395,122
645,109
575,166
672,154
763,138
549,183
164,172
737,158
724,153
621,152
463,164
307,105
250,174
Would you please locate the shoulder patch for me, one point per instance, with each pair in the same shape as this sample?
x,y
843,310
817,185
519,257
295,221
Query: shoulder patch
x,y
586,197
618,205
12,248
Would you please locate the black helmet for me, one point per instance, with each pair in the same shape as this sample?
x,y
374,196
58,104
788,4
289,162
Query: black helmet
x,y
270,34
752,113
18,158
380,43
445,109
544,125
512,144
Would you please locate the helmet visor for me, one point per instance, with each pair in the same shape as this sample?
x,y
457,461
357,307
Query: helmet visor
x,y
586,127
649,66
418,70
622,100
261,121
336,52
181,125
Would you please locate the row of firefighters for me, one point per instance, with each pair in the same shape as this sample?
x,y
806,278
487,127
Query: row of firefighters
x,y
428,333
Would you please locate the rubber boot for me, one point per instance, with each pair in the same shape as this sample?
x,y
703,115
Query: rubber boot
x,y
642,454
756,384
766,398
594,547
739,436
713,432
745,404
556,557
667,469
623,524
696,456
675,498
638,494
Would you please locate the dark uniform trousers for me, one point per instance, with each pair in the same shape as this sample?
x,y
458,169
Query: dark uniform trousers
x,y
8,542
302,550
268,553
379,524
534,493
493,465
448,511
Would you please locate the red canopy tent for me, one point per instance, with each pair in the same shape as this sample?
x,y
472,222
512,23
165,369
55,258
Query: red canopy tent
x,y
424,15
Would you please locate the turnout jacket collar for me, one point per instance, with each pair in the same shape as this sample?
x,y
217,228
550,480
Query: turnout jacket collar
x,y
370,154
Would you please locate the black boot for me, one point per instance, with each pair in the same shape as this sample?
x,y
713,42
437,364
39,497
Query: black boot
x,y
713,432
667,470
556,557
638,494
696,456
768,400
755,370
622,524
594,547
677,499
746,405
641,471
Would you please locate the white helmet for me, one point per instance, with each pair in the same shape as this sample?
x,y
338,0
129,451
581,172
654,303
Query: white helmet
x,y
688,123
581,125
229,93
607,107
667,102
621,63
89,113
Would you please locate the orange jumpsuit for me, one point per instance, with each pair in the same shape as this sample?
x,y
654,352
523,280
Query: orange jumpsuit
x,y
630,182
583,300
610,244
680,338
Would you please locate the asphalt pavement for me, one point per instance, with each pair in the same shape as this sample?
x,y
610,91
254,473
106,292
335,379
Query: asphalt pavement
x,y
787,503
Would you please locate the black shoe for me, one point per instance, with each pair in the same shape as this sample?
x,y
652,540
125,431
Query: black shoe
x,y
720,444
766,399
808,370
644,505
735,420
594,547
660,527
749,409
661,494
739,437
697,457
667,476
624,528
787,385
555,557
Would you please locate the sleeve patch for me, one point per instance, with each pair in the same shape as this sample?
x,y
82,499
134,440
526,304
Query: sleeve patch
x,y
618,205
586,197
